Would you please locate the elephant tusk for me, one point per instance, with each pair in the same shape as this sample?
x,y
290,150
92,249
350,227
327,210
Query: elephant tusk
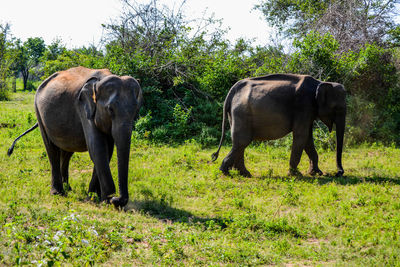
x,y
94,95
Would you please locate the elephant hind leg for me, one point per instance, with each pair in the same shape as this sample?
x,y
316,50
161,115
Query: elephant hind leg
x,y
65,158
54,154
239,162
228,162
235,158
94,186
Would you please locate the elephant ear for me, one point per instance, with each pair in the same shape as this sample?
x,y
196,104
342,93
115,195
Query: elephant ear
x,y
87,97
321,93
139,99
134,84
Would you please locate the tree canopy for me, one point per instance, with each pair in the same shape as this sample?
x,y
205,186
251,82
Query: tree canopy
x,y
28,56
353,23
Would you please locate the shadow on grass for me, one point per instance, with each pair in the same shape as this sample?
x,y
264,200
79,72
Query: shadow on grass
x,y
344,180
352,179
162,211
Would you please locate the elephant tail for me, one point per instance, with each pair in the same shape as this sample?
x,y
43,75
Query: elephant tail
x,y
10,150
227,107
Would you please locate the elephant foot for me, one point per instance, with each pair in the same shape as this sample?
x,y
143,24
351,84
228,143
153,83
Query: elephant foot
x,y
56,191
295,172
67,187
119,202
314,172
245,173
339,173
224,170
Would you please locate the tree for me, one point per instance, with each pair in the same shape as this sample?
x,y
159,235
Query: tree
x,y
353,23
62,58
6,59
29,54
55,49
150,33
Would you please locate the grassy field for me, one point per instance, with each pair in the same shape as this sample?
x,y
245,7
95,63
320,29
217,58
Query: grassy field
x,y
183,211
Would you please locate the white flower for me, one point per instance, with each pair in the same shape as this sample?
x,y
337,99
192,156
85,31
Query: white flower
x,y
58,235
94,232
72,217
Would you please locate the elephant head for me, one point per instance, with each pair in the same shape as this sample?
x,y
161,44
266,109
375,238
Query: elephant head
x,y
112,103
331,101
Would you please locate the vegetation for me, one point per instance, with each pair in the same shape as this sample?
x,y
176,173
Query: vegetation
x,y
186,66
5,60
183,211
353,23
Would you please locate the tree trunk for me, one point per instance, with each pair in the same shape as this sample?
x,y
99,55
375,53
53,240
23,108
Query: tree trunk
x,y
25,76
14,84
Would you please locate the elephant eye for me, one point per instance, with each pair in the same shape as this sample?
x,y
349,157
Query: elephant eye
x,y
110,110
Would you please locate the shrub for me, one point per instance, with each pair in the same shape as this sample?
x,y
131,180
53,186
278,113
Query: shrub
x,y
374,86
317,56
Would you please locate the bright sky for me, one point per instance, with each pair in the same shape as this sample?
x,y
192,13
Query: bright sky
x,y
78,22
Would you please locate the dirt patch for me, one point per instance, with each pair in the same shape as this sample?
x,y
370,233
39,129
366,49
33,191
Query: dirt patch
x,y
81,171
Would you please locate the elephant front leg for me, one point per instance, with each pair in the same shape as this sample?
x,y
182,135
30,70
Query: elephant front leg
x,y
103,173
94,185
312,155
97,144
299,143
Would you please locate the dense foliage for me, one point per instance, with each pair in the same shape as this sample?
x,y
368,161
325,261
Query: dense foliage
x,y
353,23
186,67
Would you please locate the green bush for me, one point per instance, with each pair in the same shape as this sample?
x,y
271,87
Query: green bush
x,y
374,86
316,55
86,57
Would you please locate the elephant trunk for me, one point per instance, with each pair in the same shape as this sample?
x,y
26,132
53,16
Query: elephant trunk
x,y
340,125
122,138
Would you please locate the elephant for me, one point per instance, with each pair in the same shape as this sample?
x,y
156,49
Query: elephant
x,y
272,106
81,109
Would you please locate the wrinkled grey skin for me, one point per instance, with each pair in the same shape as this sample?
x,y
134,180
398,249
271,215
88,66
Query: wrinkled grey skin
x,y
270,107
82,109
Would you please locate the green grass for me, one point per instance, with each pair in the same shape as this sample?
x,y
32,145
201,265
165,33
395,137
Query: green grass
x,y
183,211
